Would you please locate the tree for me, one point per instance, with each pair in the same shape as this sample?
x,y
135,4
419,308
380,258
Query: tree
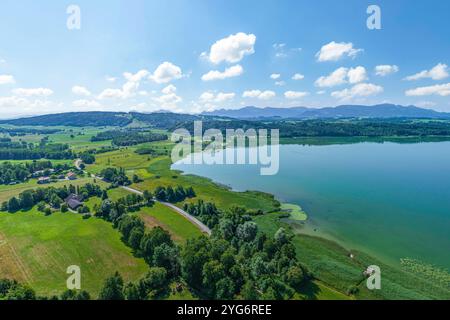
x,y
148,197
154,282
13,204
26,199
247,231
295,277
112,289
281,237
55,201
160,193
135,238
167,257
132,292
225,289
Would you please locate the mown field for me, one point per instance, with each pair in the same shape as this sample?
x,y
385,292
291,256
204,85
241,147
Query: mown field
x,y
37,250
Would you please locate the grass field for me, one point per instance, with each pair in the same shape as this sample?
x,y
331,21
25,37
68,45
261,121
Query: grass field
x,y
155,171
178,226
37,249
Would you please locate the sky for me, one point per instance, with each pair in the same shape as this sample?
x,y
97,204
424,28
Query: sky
x,y
199,55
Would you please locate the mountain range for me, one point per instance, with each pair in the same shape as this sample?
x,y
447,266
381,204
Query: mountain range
x,y
343,111
169,120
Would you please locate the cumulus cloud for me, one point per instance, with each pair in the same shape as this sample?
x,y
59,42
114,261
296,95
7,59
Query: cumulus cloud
x,y
81,91
233,48
258,94
169,99
275,76
356,75
29,92
438,72
334,51
337,77
128,89
358,90
15,105
218,98
341,76
166,72
7,79
230,72
298,76
385,69
295,94
442,90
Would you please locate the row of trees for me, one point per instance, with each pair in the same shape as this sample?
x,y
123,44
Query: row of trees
x,y
117,177
173,195
49,196
128,138
11,172
24,151
206,212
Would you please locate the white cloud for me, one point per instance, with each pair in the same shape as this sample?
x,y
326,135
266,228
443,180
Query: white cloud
x,y
128,89
438,72
341,76
169,99
282,52
385,69
337,77
262,95
334,51
7,79
359,90
320,92
2,61
81,91
86,104
356,75
439,89
298,76
42,92
275,76
220,97
166,72
23,105
169,89
110,79
233,48
295,94
230,72
280,83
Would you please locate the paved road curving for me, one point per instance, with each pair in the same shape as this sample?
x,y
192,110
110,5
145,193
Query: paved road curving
x,y
191,218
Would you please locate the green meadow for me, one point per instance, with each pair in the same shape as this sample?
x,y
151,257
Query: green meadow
x,y
37,250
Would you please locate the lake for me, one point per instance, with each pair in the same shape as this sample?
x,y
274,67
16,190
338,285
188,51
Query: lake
x,y
390,200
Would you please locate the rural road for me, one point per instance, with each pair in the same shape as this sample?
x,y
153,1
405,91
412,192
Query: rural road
x,y
192,219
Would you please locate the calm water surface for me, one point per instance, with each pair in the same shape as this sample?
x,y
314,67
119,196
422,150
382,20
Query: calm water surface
x,y
392,200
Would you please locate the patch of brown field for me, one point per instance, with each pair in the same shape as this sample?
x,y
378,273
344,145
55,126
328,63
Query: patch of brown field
x,y
11,265
151,222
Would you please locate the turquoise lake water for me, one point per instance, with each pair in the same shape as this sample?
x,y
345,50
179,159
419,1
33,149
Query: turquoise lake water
x,y
391,200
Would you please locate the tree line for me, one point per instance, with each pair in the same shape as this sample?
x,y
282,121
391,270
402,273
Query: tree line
x,y
128,138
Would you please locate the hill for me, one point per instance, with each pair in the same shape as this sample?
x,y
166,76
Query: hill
x,y
343,111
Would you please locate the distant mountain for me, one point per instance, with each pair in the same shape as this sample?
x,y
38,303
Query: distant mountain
x,y
344,111
167,120
163,120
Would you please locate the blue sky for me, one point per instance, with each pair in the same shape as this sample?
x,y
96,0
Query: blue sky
x,y
196,55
